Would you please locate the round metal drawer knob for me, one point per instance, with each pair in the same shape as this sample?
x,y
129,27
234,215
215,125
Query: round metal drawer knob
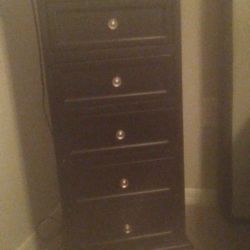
x,y
113,24
127,229
117,82
124,183
120,135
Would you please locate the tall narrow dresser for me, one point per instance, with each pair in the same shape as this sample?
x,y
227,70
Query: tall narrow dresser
x,y
113,76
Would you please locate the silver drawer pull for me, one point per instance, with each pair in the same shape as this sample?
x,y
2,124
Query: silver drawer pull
x,y
124,183
127,229
113,24
117,81
120,135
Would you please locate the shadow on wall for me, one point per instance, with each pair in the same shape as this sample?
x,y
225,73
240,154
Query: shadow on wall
x,y
241,172
39,169
231,181
211,76
225,112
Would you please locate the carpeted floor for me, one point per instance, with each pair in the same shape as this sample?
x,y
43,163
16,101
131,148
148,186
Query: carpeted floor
x,y
208,230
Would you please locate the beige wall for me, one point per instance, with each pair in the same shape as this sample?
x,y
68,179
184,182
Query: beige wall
x,y
201,46
241,108
28,187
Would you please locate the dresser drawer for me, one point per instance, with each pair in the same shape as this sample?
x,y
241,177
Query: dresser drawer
x,y
125,218
90,182
106,132
101,82
120,155
105,24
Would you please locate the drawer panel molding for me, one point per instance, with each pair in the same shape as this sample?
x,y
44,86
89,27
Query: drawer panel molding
x,y
105,24
87,182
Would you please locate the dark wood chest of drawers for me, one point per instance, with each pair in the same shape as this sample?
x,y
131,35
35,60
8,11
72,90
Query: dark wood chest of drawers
x,y
113,74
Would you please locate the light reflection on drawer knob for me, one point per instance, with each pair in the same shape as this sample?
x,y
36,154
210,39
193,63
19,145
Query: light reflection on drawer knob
x,y
127,229
120,135
113,24
124,183
117,81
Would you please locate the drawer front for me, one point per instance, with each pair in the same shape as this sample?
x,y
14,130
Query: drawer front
x,y
87,182
126,218
104,24
105,132
115,80
123,155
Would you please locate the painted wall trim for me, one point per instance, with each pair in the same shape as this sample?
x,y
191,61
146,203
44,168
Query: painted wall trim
x,y
31,243
48,229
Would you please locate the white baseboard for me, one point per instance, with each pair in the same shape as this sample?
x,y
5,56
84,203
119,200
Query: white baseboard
x,y
31,243
48,228
201,197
